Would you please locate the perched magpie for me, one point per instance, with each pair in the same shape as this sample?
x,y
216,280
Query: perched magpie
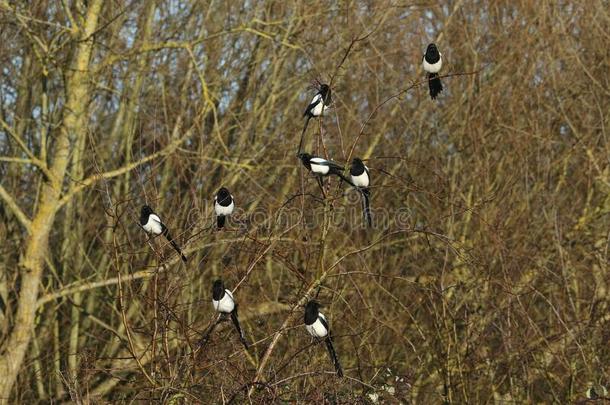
x,y
433,61
319,103
224,303
223,206
151,223
596,392
317,326
322,167
359,174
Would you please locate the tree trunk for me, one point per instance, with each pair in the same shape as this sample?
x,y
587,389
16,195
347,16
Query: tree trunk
x,y
73,125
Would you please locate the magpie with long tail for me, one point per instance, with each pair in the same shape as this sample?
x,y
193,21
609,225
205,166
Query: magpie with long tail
x,y
322,167
317,326
319,103
152,224
361,179
223,206
433,61
223,302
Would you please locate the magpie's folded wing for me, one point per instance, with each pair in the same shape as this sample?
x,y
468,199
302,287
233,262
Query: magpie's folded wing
x,y
335,165
317,99
323,321
323,162
155,218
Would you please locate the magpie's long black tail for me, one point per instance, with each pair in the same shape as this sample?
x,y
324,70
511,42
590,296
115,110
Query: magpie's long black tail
x,y
303,134
220,221
333,356
345,179
174,244
434,82
206,335
366,193
242,338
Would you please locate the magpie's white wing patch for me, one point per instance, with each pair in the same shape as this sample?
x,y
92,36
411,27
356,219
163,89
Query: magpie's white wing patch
x,y
315,100
321,315
319,165
153,225
318,160
316,106
226,304
317,329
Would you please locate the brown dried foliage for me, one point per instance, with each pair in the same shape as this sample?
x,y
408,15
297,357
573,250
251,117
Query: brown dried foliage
x,y
485,278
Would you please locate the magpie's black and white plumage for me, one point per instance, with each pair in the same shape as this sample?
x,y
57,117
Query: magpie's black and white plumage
x,y
322,167
223,302
597,392
152,224
317,326
433,61
361,179
319,103
223,206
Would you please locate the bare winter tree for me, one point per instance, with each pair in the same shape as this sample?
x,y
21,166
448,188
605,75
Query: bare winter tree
x,y
483,278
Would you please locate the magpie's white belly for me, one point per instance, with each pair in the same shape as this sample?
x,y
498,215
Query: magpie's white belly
x,y
153,226
221,210
317,110
226,304
433,67
317,329
361,180
319,169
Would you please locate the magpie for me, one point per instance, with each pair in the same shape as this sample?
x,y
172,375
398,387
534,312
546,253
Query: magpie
x,y
596,392
319,103
361,179
317,326
322,167
223,206
223,302
433,61
151,223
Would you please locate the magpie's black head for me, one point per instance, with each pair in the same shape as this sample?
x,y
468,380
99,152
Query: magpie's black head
x,y
325,93
311,312
357,167
223,195
146,210
432,52
305,158
144,214
218,290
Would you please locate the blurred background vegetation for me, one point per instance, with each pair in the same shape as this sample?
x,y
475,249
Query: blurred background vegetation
x,y
484,280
